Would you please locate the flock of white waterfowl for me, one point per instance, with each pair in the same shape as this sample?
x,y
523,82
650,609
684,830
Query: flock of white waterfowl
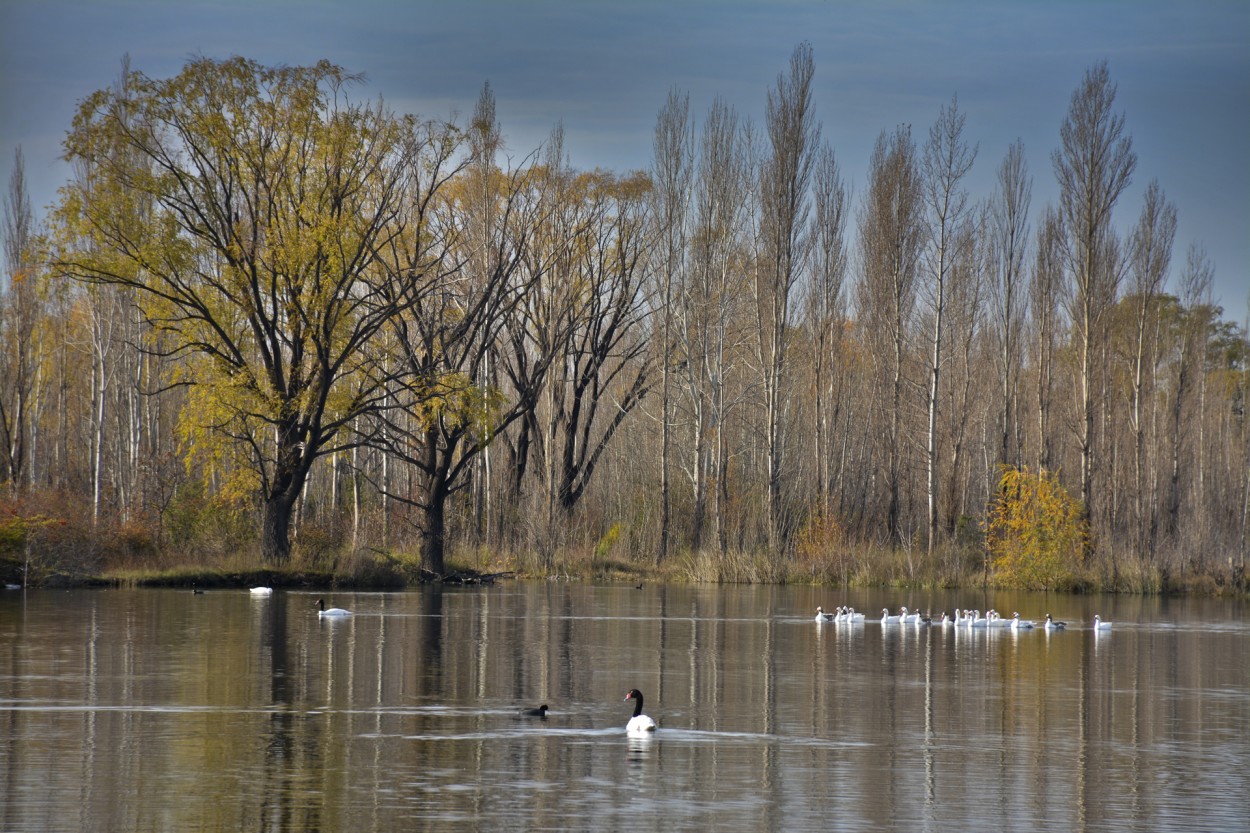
x,y
640,724
961,619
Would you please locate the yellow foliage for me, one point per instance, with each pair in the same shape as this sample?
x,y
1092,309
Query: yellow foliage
x,y
456,402
820,538
1035,532
208,425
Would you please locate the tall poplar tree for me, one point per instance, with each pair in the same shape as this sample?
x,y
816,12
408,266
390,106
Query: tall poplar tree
x,y
1093,165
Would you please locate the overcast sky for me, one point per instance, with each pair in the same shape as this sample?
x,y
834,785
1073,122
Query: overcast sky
x,y
605,68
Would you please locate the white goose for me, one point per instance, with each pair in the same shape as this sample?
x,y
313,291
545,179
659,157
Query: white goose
x,y
887,619
261,591
909,618
853,618
1100,625
821,616
1018,624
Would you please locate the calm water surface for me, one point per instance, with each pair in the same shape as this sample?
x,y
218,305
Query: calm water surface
x,y
152,710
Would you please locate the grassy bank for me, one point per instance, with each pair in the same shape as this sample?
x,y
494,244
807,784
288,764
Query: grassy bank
x,y
847,566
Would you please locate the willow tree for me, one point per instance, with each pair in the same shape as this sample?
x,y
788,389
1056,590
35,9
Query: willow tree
x,y
267,195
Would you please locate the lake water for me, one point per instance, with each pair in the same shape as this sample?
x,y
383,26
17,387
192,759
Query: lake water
x,y
160,710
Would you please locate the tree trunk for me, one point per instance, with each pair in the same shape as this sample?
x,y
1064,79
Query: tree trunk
x,y
434,535
276,527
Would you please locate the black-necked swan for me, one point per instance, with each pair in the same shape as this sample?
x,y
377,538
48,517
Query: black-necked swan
x,y
541,711
1052,625
1100,625
323,611
639,724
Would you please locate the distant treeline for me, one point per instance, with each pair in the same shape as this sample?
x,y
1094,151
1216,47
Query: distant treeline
x,y
268,321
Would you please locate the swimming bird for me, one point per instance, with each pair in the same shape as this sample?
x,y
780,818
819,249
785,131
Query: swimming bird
x,y
852,618
1020,624
262,591
821,616
1052,625
887,619
908,618
639,724
1100,625
326,612
541,711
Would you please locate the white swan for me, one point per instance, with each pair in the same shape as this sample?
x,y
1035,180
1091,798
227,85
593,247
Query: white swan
x,y
262,591
1052,625
887,619
639,724
1100,625
908,618
979,621
853,618
326,612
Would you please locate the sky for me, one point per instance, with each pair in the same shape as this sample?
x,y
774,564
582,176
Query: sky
x,y
603,69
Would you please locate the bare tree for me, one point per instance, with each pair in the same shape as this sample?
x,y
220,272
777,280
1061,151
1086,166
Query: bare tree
x,y
947,159
793,136
439,418
826,304
607,363
20,311
1045,290
971,256
673,172
485,142
1151,254
707,308
889,249
1196,279
1093,165
1009,233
